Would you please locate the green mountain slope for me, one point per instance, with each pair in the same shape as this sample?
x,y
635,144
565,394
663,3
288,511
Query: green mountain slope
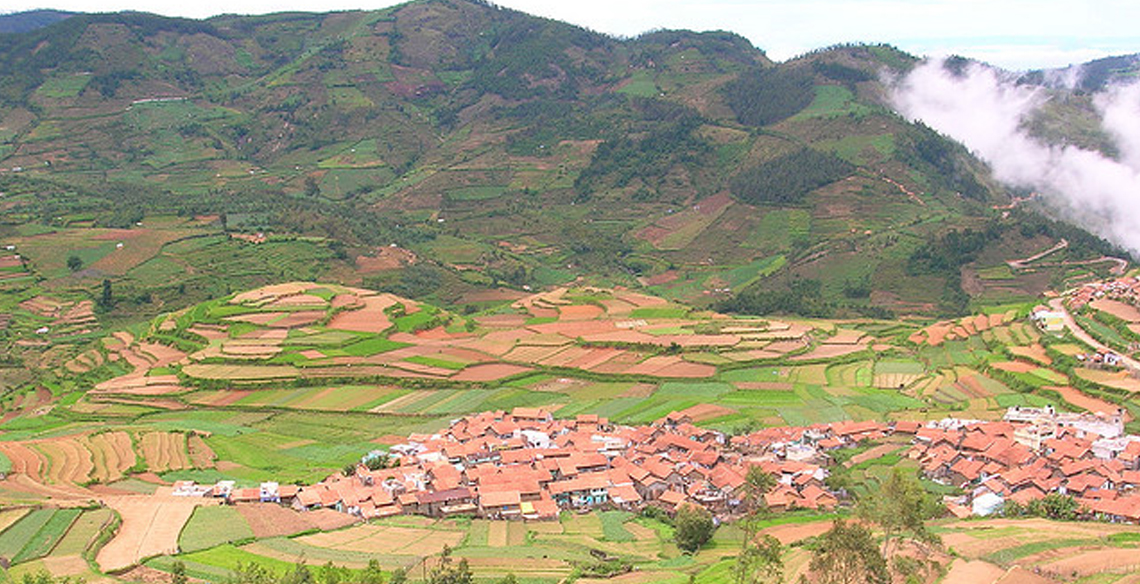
x,y
496,149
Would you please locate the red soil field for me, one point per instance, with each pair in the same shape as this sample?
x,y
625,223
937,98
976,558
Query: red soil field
x,y
621,336
593,358
502,320
575,329
299,319
1015,366
829,351
1120,310
1092,404
370,319
580,312
273,520
702,412
262,318
489,372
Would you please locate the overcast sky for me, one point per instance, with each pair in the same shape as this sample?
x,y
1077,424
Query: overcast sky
x,y
1016,34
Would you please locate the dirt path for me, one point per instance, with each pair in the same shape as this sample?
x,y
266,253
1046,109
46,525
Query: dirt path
x,y
1024,262
151,525
975,572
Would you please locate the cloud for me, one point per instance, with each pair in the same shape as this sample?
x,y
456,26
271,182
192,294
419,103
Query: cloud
x,y
985,109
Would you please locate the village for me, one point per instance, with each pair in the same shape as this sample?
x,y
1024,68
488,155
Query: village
x,y
527,465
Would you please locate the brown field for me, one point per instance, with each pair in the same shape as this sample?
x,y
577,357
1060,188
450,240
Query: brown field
x,y
270,293
1015,366
392,539
895,380
297,300
797,531
497,534
201,455
489,372
846,337
829,351
1087,402
299,319
703,412
1034,352
1096,562
113,455
260,318
25,461
70,462
1125,312
1117,379
164,451
973,572
240,372
580,312
328,519
532,354
273,520
151,525
370,319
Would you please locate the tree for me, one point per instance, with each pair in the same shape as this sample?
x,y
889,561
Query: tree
x,y
1055,506
760,560
900,507
374,573
847,554
757,482
107,297
74,263
694,527
399,576
252,573
449,572
178,573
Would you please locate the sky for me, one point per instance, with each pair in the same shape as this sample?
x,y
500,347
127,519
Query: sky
x,y
1014,34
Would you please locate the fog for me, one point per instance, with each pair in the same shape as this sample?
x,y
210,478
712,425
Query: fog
x,y
986,110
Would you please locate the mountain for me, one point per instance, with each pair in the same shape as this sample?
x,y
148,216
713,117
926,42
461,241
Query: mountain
x,y
31,20
445,147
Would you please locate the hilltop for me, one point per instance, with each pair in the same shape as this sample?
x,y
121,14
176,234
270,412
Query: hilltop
x,y
494,149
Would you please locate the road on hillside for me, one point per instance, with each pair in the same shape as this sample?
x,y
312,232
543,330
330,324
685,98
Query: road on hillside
x,y
1071,323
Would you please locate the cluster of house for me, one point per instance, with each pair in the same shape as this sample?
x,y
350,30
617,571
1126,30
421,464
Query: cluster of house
x,y
1100,359
526,464
1126,290
1031,453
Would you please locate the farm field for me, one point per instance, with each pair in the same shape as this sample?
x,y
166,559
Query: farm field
x,y
250,393
290,382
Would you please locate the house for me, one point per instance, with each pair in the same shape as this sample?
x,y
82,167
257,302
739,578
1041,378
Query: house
x,y
445,503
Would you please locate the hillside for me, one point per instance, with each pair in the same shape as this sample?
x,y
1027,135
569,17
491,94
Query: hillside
x,y
443,148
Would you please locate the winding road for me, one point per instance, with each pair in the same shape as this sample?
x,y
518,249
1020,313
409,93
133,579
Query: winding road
x,y
1058,305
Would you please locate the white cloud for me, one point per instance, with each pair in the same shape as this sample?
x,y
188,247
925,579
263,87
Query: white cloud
x,y
985,111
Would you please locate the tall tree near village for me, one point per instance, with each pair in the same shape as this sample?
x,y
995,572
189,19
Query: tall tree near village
x,y
847,554
760,558
900,508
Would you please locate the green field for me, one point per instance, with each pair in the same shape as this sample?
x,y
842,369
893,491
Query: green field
x,y
211,526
